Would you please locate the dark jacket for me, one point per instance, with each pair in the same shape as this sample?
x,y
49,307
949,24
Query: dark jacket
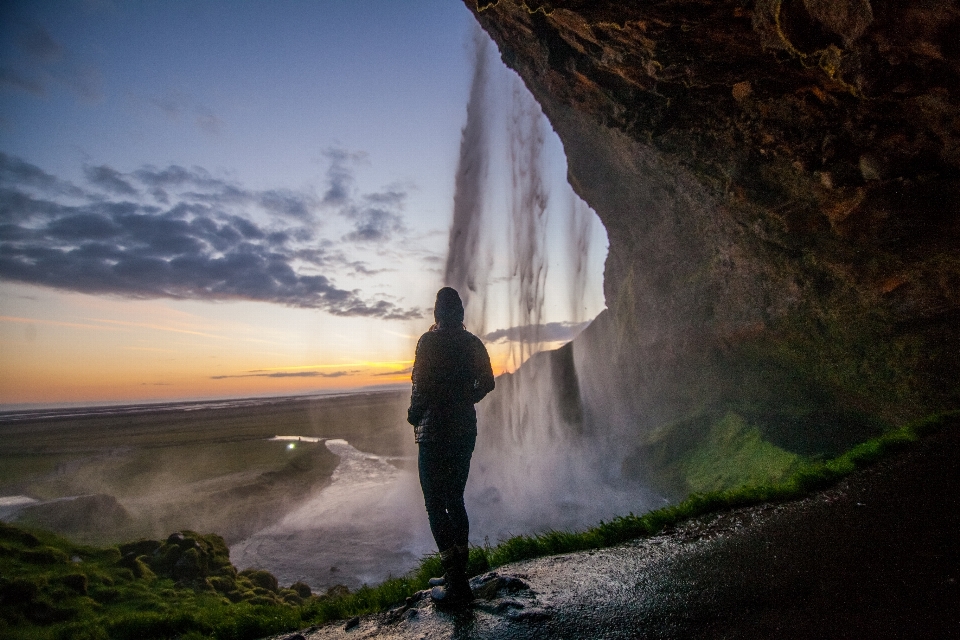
x,y
451,372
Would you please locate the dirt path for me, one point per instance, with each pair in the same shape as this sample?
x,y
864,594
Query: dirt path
x,y
877,556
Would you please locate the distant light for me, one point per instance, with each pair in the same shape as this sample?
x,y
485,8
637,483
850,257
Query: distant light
x,y
292,445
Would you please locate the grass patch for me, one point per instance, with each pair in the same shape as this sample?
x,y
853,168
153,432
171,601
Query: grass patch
x,y
711,451
735,454
185,587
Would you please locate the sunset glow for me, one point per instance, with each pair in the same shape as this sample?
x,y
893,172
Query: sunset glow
x,y
205,202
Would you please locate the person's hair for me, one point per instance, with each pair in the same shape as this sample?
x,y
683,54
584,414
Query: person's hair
x,y
448,311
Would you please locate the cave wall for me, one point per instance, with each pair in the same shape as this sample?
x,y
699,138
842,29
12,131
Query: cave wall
x,y
779,181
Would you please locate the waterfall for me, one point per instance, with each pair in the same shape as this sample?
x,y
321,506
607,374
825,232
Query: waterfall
x,y
469,276
544,458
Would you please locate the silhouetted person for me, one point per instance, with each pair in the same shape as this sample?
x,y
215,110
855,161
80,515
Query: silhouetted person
x,y
451,372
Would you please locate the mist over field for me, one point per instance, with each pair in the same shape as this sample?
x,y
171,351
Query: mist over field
x,y
148,472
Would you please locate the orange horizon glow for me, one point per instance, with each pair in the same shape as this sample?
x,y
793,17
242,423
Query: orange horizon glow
x,y
59,347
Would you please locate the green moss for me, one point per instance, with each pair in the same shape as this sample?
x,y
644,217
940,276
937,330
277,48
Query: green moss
x,y
735,454
711,452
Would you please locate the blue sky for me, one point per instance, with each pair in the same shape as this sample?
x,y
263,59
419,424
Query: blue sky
x,y
254,91
220,198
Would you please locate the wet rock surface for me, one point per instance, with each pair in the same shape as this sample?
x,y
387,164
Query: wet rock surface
x,y
874,557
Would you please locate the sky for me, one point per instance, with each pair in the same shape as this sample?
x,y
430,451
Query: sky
x,y
213,199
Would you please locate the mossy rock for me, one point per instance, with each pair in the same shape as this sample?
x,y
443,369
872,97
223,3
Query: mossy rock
x,y
203,585
20,590
223,584
43,612
77,582
263,601
140,547
302,589
104,595
234,596
263,579
44,555
187,556
229,571
138,565
736,454
291,597
165,559
100,578
85,630
190,565
124,574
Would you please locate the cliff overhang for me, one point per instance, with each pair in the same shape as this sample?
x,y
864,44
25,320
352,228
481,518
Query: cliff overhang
x,y
780,184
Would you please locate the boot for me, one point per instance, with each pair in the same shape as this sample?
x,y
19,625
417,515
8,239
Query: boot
x,y
463,550
455,591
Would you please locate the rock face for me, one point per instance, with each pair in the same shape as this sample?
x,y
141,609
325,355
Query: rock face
x,y
780,184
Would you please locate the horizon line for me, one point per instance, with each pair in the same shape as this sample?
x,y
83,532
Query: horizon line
x,y
30,407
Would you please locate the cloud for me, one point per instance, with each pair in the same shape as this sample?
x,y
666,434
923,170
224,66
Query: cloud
x,y
550,332
360,268
177,176
109,179
290,374
171,233
340,178
377,217
395,373
15,171
42,61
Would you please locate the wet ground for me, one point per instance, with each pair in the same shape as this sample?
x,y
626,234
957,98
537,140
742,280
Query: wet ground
x,y
875,557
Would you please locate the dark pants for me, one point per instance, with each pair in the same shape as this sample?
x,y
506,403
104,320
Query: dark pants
x,y
443,475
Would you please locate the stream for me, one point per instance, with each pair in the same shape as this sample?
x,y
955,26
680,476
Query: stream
x,y
368,524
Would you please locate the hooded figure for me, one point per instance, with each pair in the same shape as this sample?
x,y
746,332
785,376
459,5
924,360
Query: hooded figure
x,y
451,372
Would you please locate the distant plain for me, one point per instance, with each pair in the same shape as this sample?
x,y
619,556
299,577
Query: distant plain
x,y
150,472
